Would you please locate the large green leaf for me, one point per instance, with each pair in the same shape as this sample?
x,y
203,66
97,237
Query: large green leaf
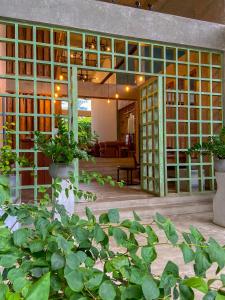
x,y
107,291
148,254
8,260
20,236
75,280
150,288
119,236
188,253
57,261
168,227
186,293
40,289
197,283
95,281
216,253
113,215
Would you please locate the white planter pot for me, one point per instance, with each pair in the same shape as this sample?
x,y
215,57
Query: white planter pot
x,y
219,165
219,201
61,171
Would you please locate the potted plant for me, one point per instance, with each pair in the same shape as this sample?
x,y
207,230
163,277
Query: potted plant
x,y
215,146
8,160
61,149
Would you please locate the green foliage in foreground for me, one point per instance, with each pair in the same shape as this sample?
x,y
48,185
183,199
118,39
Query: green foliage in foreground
x,y
75,258
215,145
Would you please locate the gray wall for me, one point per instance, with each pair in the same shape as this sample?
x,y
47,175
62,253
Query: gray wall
x,y
115,19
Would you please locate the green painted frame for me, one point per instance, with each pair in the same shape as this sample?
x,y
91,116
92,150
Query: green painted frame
x,y
152,137
147,59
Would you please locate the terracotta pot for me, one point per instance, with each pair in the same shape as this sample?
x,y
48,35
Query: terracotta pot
x,y
219,165
61,170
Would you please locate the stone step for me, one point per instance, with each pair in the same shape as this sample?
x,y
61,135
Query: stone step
x,y
147,208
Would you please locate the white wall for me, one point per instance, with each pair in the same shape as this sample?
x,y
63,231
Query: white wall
x,y
104,119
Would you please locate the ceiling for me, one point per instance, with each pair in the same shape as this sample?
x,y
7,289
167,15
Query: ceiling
x,y
207,10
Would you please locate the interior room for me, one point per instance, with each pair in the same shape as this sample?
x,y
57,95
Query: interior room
x,y
111,102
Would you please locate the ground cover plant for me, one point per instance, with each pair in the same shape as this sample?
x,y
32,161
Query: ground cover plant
x,y
72,258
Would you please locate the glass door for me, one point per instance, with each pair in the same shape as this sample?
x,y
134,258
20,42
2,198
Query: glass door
x,y
152,137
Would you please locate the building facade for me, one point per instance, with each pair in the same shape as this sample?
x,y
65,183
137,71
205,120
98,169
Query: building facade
x,y
45,46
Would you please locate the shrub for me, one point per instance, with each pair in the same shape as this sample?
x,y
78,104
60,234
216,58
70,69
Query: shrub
x,y
214,146
73,258
61,148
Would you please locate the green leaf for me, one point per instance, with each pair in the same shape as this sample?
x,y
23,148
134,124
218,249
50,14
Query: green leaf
x,y
74,260
136,216
168,227
107,291
202,263
8,260
216,253
132,292
99,234
170,275
188,253
120,261
113,216
20,236
222,278
152,236
3,290
119,236
220,297
186,293
150,288
57,261
40,289
95,281
36,246
211,295
148,254
90,215
104,219
75,280
197,283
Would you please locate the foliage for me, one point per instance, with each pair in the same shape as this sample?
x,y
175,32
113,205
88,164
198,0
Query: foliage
x,y
73,258
85,137
215,145
61,148
8,157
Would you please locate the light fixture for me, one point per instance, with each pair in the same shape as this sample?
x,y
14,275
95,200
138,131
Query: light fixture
x,y
108,101
56,95
108,49
92,45
58,88
141,78
71,55
127,88
61,77
117,95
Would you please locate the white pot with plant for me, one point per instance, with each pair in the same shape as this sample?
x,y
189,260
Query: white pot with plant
x,y
216,146
8,160
62,149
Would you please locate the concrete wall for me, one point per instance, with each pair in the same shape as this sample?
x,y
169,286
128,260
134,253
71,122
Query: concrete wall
x,y
104,119
115,19
2,71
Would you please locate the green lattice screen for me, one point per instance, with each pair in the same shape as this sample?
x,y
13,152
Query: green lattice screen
x,y
35,60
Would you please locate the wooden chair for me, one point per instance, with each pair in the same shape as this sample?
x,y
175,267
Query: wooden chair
x,y
129,169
